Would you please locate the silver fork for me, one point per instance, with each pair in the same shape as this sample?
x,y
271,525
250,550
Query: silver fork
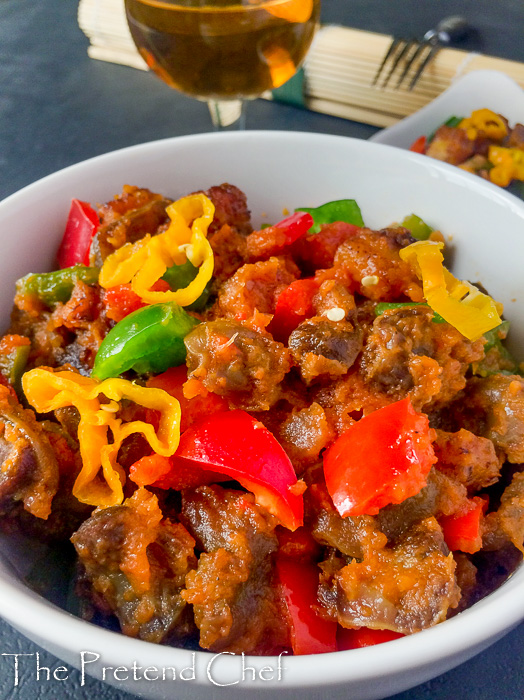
x,y
407,54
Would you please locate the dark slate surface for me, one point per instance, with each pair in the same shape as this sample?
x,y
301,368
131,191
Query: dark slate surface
x,y
57,107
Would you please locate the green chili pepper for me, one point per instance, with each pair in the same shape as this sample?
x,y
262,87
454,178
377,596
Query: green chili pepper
x,y
494,340
417,227
180,276
493,337
453,121
346,210
54,287
12,365
148,340
386,305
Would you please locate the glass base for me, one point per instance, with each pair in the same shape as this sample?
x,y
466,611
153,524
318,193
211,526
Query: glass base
x,y
227,115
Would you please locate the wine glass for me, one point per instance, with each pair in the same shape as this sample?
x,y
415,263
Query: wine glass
x,y
223,51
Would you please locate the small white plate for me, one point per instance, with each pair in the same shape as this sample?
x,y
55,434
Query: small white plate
x,y
482,88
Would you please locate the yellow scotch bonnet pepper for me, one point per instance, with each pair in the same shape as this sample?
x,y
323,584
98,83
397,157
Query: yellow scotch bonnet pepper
x,y
508,165
143,263
484,120
100,480
459,303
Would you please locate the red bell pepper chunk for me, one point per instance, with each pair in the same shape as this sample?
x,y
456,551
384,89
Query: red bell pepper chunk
x,y
194,409
82,224
462,531
419,145
299,545
235,444
363,637
310,633
294,305
274,240
170,473
383,458
295,226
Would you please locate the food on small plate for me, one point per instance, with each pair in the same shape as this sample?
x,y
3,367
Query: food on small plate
x,y
483,143
302,438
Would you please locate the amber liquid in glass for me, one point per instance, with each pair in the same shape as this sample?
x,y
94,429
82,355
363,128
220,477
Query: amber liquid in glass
x,y
222,50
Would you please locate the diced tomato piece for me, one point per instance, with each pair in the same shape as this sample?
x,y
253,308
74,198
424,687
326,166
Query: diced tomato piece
x,y
294,305
121,300
383,458
170,473
310,633
82,224
11,342
149,469
6,389
317,251
363,637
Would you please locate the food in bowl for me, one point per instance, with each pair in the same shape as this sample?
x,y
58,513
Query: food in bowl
x,y
483,143
301,438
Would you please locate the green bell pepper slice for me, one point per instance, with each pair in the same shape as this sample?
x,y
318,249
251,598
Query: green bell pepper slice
x,y
149,340
346,210
56,287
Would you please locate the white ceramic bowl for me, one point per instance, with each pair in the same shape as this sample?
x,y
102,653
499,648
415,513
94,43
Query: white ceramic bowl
x,y
276,170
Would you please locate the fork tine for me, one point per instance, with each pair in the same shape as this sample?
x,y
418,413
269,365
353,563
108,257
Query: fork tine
x,y
412,51
391,50
400,55
411,62
430,55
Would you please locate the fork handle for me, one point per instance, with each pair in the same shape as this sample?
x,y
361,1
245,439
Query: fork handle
x,y
450,29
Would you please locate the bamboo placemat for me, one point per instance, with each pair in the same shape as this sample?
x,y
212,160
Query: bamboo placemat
x,y
337,73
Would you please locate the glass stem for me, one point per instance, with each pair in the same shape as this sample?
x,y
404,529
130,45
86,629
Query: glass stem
x,y
227,115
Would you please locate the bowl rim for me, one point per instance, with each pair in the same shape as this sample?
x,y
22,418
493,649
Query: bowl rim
x,y
487,619
469,180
